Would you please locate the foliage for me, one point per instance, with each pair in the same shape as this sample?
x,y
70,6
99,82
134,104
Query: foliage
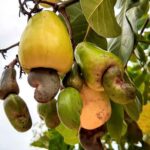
x,y
121,27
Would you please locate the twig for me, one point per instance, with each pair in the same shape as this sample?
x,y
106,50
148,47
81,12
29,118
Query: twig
x,y
3,51
67,21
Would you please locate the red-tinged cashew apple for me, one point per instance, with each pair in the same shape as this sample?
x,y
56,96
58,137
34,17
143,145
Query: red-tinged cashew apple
x,y
8,83
96,108
45,43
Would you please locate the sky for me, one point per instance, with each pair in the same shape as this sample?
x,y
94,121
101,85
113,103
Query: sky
x,y
11,27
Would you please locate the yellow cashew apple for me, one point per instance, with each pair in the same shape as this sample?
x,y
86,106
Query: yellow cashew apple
x,y
46,43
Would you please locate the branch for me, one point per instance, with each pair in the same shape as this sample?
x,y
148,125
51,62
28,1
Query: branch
x,y
67,21
3,51
60,5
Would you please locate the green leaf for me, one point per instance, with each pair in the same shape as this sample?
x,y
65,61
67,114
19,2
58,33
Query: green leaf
x,y
100,16
123,45
115,125
80,28
42,142
133,109
52,140
70,136
135,13
93,37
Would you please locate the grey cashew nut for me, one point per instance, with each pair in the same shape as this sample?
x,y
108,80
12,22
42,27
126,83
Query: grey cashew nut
x,y
47,83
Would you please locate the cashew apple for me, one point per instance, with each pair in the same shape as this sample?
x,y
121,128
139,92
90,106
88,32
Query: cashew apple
x,y
17,113
8,83
45,43
69,107
48,113
103,71
96,109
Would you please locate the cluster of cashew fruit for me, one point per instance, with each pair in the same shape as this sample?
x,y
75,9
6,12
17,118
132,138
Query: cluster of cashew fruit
x,y
76,93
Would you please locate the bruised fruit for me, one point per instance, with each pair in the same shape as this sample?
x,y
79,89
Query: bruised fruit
x,y
45,43
48,113
73,78
90,139
96,108
46,82
117,89
93,62
69,107
17,113
8,83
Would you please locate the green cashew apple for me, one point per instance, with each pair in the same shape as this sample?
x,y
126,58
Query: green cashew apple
x,y
119,91
73,78
17,113
93,62
103,71
8,83
48,113
69,107
46,43
46,82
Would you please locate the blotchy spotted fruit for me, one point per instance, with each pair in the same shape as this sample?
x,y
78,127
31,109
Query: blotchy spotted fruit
x,y
48,113
69,107
45,43
17,113
47,83
8,83
93,62
118,90
96,108
73,78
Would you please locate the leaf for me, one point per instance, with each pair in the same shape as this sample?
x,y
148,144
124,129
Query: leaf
x,y
133,109
123,45
93,37
70,136
100,16
80,28
52,140
115,125
42,142
135,13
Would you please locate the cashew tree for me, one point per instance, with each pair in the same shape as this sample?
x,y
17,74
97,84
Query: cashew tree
x,y
88,62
